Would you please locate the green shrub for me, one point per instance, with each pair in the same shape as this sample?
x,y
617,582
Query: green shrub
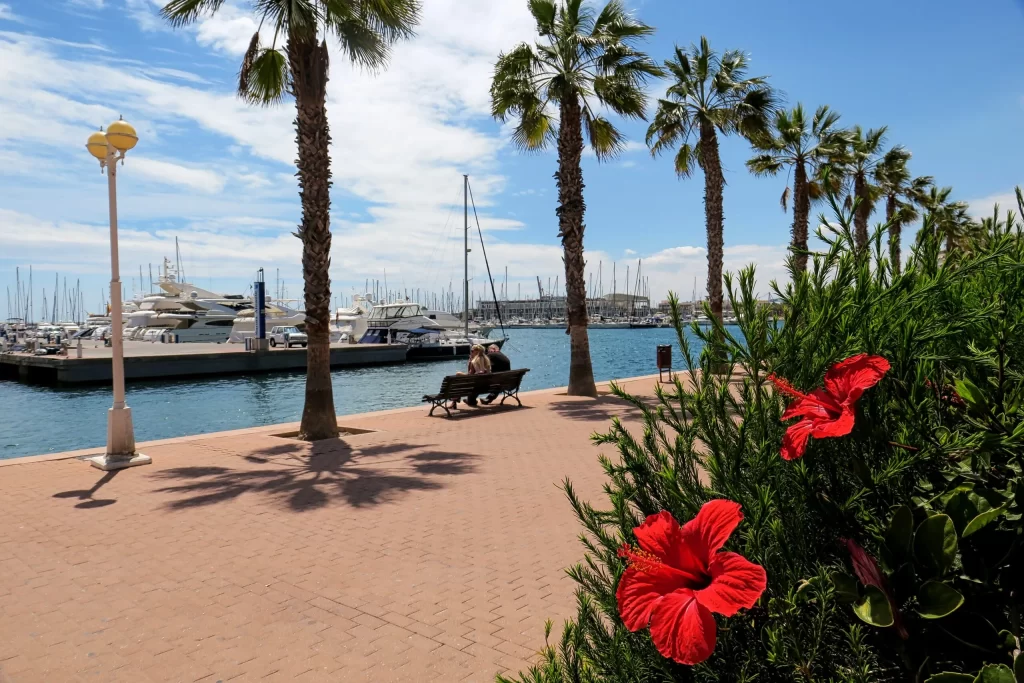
x,y
924,494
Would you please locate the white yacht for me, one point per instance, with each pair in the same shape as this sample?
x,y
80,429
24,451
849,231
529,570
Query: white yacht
x,y
191,313
349,324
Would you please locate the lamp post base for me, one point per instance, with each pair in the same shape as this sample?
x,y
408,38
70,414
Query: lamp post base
x,y
115,462
120,443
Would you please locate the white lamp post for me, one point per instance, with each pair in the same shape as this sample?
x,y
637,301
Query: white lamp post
x,y
109,148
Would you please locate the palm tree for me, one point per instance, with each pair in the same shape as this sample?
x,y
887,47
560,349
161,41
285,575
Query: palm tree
x,y
366,30
709,95
950,220
857,167
806,149
583,59
901,192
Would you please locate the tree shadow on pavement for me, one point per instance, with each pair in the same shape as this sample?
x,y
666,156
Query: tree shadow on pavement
x,y
600,409
304,476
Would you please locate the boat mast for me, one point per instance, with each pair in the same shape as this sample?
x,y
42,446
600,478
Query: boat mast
x,y
465,253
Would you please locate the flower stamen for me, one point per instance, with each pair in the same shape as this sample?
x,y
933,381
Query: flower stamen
x,y
785,387
641,560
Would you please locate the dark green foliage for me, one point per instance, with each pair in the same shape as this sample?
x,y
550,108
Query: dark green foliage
x,y
928,483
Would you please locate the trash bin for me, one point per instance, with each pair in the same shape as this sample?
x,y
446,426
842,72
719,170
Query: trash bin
x,y
664,360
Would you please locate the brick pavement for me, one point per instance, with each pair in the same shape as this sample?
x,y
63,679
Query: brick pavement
x,y
426,550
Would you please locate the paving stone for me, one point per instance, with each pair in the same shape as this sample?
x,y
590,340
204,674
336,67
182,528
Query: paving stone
x,y
425,550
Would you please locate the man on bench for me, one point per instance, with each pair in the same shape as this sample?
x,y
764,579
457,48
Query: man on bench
x,y
499,363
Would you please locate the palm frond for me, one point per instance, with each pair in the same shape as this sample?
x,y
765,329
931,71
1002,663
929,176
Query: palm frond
x,y
543,12
266,80
621,95
685,160
245,70
765,164
184,12
604,138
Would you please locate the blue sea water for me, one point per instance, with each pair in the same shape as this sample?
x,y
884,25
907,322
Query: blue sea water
x,y
41,419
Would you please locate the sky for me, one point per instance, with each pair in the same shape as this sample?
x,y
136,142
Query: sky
x,y
217,174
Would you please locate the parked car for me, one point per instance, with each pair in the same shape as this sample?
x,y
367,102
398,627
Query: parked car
x,y
287,337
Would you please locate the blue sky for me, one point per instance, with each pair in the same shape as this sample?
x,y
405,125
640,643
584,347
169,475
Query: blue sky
x,y
945,77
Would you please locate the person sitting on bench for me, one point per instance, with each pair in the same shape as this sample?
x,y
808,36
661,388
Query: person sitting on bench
x,y
479,364
499,363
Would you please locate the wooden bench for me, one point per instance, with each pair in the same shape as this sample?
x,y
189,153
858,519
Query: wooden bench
x,y
457,387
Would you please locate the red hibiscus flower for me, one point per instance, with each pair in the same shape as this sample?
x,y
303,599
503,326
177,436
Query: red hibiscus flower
x,y
829,411
678,577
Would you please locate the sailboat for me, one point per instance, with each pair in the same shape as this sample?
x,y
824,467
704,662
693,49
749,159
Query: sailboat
x,y
427,333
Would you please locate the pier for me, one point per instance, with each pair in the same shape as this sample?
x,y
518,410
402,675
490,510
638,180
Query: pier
x,y
147,360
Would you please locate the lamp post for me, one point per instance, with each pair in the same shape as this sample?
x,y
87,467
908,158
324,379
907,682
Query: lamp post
x,y
109,148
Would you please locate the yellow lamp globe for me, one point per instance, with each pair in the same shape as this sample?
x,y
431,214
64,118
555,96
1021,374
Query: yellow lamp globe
x,y
121,135
97,144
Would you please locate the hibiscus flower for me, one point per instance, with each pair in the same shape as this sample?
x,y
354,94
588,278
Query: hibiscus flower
x,y
679,576
829,411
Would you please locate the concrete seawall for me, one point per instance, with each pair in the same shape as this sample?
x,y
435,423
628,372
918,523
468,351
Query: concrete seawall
x,y
168,361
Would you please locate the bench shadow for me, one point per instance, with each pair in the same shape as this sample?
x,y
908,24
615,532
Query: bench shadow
x,y
600,409
468,412
306,476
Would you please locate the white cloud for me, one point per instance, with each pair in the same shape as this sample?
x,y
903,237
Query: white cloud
x,y
199,179
6,13
90,4
982,208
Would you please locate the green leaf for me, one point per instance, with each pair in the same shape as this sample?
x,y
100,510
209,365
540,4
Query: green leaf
x,y
937,600
874,608
983,520
935,543
1018,668
970,393
971,511
846,587
995,673
900,533
950,677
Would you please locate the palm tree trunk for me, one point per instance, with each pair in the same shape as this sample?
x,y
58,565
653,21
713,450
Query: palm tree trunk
x,y
860,218
570,211
895,230
714,218
801,213
308,62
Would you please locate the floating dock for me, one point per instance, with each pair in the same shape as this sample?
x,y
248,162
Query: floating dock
x,y
147,360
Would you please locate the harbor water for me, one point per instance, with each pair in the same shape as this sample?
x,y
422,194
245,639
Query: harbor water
x,y
43,419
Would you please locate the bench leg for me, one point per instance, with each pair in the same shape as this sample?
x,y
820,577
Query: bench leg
x,y
440,404
511,394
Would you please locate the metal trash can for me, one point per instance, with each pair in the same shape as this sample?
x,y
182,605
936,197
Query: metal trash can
x,y
664,360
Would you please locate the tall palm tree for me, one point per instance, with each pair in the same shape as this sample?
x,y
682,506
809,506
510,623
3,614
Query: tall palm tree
x,y
950,220
805,148
864,154
709,95
366,30
902,192
584,58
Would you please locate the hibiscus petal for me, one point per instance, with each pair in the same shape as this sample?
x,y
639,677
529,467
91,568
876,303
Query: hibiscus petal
x,y
839,426
639,591
848,379
710,529
736,583
661,536
794,443
682,629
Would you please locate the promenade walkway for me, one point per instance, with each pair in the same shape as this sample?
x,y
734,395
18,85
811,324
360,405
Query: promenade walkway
x,y
423,550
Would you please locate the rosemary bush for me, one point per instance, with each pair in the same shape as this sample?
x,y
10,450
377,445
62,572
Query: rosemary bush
x,y
925,493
